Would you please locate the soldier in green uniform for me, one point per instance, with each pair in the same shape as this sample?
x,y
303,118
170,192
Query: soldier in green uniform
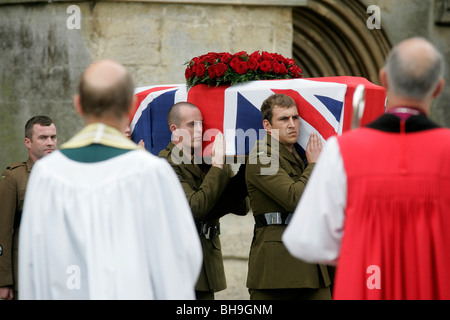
x,y
212,190
276,176
40,139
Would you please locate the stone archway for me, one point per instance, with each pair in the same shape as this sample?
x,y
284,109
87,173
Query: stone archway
x,y
331,38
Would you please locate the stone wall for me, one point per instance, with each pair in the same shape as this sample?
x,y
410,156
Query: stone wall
x,y
430,19
41,59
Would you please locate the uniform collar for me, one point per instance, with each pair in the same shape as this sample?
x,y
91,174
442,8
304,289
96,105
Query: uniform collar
x,y
99,133
29,164
179,155
179,158
283,151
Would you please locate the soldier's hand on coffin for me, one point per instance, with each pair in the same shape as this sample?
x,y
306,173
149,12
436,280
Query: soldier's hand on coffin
x,y
314,148
218,151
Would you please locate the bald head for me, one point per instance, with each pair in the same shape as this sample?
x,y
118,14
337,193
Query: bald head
x,y
104,73
106,88
175,114
414,69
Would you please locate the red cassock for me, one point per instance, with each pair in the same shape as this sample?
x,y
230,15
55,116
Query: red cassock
x,y
396,242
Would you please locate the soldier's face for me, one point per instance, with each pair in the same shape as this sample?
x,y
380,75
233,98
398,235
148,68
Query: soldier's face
x,y
43,141
191,126
285,125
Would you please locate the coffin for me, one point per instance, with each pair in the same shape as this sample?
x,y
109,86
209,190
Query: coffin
x,y
324,104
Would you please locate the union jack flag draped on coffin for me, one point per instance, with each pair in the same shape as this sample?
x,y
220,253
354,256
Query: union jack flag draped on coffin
x,y
324,104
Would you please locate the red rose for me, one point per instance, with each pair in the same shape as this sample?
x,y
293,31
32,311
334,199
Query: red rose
x,y
279,58
211,57
241,67
234,62
189,73
200,70
265,66
295,71
212,71
240,54
267,56
253,64
220,69
283,69
277,68
256,55
225,57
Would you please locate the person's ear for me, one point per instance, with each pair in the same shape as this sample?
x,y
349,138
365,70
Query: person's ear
x,y
175,133
383,78
77,104
173,127
27,143
439,88
267,126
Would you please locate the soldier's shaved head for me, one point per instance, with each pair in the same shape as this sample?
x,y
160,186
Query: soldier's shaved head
x,y
174,115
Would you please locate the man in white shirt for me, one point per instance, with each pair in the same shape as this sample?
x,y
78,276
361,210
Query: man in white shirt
x,y
378,202
104,219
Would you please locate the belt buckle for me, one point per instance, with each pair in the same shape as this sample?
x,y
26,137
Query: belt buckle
x,y
206,230
278,219
275,218
207,234
211,232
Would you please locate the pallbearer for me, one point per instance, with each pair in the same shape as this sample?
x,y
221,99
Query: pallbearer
x,y
276,177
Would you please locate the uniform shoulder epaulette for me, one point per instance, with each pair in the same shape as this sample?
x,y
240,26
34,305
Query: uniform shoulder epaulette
x,y
16,165
164,153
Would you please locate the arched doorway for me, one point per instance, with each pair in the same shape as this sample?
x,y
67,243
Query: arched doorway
x,y
331,38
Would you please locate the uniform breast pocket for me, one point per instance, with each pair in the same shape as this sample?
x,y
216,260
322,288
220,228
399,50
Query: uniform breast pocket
x,y
293,171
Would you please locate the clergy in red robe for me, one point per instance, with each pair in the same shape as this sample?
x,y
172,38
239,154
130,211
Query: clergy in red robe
x,y
378,203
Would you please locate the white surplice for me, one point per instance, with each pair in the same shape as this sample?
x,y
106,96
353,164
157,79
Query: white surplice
x,y
114,229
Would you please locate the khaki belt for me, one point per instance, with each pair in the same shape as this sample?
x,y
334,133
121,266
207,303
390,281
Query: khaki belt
x,y
272,218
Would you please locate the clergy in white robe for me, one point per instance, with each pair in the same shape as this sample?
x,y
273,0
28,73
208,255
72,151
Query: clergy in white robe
x,y
102,218
119,228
